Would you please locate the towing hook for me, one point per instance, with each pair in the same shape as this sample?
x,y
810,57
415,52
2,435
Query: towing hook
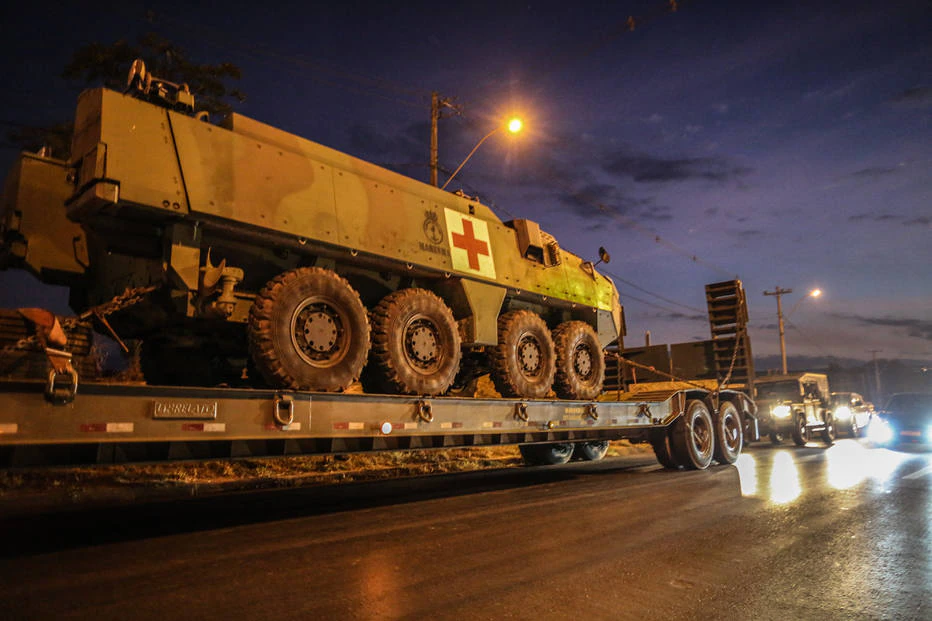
x,y
521,412
592,411
283,410
424,411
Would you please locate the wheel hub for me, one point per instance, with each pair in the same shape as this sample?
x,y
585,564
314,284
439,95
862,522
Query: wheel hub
x,y
317,332
582,361
422,344
529,355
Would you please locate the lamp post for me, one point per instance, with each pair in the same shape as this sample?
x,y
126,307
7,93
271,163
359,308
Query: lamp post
x,y
513,125
778,292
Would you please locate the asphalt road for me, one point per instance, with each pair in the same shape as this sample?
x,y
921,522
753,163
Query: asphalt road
x,y
810,533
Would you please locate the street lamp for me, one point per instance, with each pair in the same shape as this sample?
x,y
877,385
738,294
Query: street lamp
x,y
812,294
513,125
778,292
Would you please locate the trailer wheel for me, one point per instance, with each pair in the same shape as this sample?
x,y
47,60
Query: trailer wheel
x,y
415,344
663,449
580,366
523,361
692,436
547,454
591,451
828,432
308,330
729,438
776,437
800,431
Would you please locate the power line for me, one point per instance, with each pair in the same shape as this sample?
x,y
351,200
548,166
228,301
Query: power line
x,y
656,295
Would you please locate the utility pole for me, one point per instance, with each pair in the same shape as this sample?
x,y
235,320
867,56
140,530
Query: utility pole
x,y
778,292
437,104
873,353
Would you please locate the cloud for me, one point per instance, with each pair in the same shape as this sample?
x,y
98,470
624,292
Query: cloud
x,y
644,168
677,316
874,172
918,97
659,214
873,217
599,199
918,328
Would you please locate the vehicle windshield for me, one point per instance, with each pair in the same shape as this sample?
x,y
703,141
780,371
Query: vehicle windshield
x,y
912,408
841,398
778,390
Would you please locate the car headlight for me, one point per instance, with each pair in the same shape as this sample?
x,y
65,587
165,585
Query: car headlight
x,y
880,431
842,413
781,411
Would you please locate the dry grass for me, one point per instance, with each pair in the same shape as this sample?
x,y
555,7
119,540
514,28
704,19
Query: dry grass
x,y
75,482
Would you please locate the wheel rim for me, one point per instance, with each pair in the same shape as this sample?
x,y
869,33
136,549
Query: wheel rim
x,y
422,344
582,361
530,355
318,332
731,433
701,436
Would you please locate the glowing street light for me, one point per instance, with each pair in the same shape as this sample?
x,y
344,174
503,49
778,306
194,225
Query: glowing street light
x,y
514,126
812,294
778,292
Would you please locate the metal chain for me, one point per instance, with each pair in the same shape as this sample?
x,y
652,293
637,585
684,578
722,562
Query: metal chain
x,y
128,298
655,370
734,357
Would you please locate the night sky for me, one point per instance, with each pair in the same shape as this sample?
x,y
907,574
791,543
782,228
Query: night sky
x,y
786,143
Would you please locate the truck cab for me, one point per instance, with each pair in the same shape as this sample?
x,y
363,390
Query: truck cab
x,y
795,405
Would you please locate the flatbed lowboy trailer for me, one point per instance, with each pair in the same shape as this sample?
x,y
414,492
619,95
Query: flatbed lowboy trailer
x,y
112,423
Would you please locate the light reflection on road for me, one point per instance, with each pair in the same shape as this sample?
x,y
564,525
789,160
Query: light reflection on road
x,y
784,479
848,464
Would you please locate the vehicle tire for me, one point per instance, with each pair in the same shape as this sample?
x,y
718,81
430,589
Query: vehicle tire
x,y
776,437
693,438
522,364
580,365
663,449
828,432
593,450
415,344
800,431
547,454
308,330
729,438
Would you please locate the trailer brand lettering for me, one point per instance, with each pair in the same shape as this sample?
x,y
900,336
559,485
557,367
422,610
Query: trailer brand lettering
x,y
184,409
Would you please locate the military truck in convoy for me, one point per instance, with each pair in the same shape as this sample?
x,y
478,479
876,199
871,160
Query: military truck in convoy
x,y
262,275
797,406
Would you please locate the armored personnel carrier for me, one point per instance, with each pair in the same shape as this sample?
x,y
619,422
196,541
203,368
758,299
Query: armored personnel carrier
x,y
240,251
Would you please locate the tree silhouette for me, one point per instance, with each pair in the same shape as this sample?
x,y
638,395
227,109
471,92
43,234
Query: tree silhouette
x,y
97,64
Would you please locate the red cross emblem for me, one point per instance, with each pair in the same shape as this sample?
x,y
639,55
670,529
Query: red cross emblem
x,y
468,242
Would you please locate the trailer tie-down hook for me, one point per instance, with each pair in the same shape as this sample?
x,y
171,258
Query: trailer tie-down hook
x,y
521,411
59,392
424,411
283,410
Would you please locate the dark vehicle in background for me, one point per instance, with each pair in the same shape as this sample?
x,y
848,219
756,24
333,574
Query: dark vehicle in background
x,y
852,413
906,420
795,405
